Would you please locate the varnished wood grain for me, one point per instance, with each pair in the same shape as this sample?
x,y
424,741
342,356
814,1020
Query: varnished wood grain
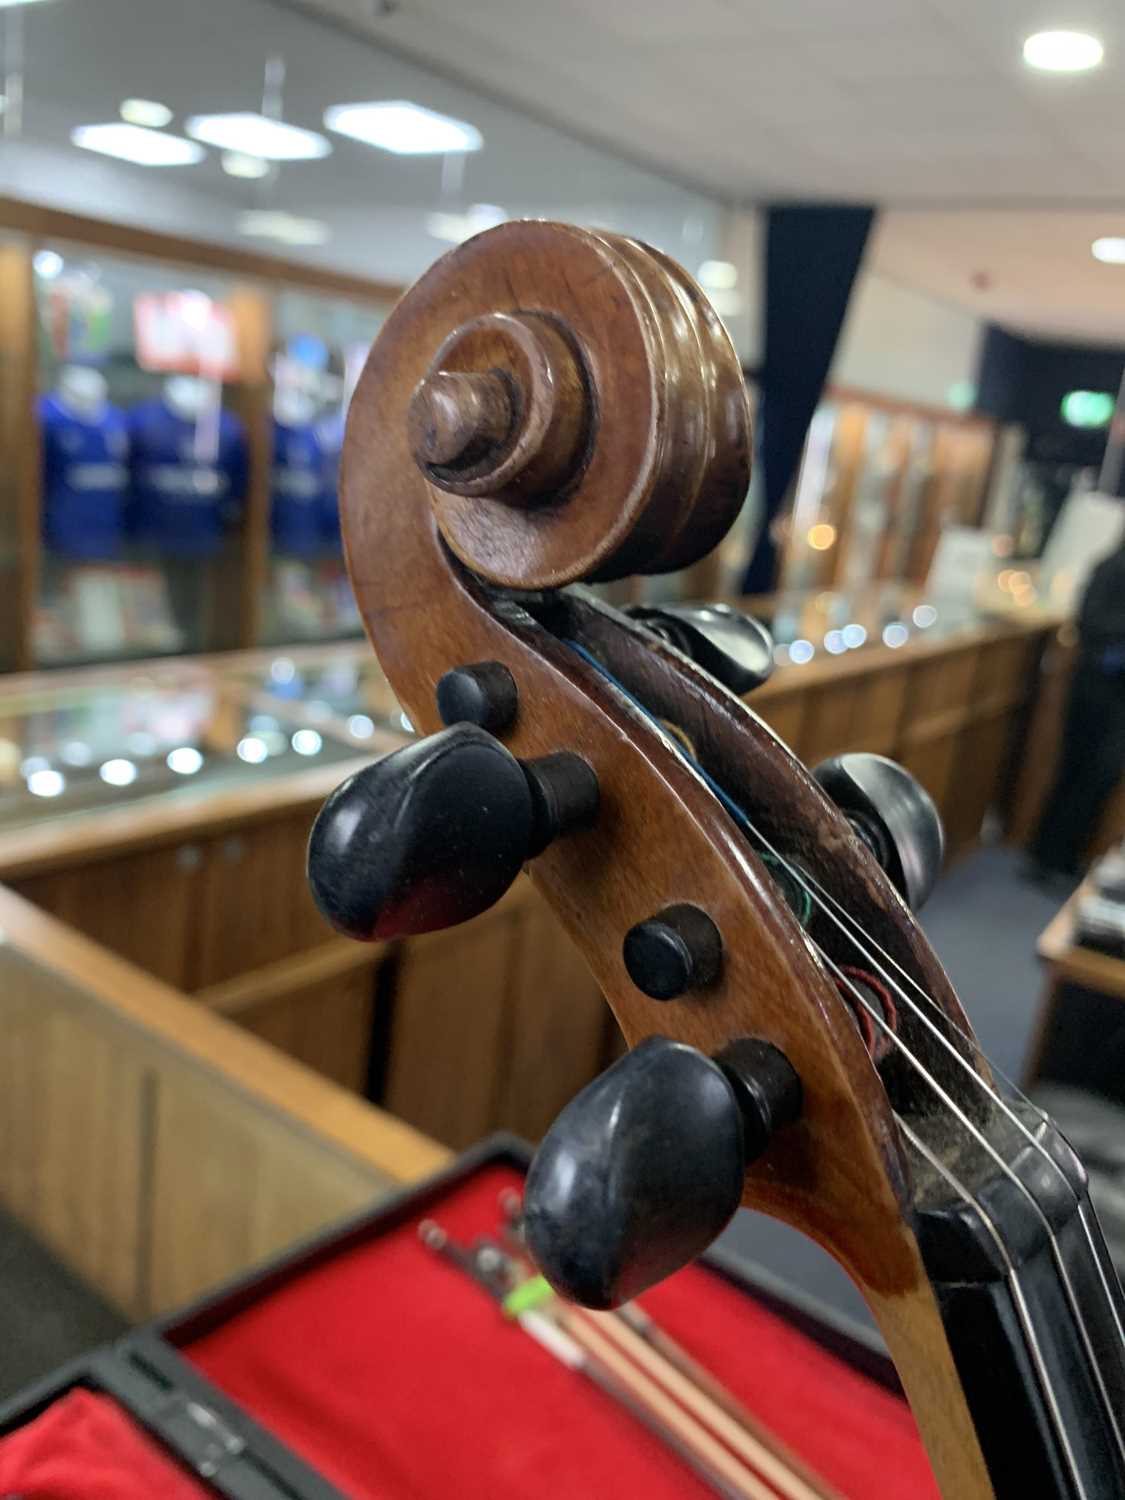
x,y
452,1003
326,1025
140,906
20,447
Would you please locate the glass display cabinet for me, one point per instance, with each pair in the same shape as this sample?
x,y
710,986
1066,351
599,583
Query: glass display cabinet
x,y
877,483
143,426
171,420
319,347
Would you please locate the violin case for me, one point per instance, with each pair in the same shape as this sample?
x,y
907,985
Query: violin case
x,y
363,1365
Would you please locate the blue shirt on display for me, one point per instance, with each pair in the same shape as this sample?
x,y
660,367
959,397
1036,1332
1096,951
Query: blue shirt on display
x,y
330,433
297,483
182,496
85,479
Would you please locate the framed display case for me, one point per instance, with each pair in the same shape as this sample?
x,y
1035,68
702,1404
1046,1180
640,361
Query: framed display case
x,y
171,415
319,347
144,423
877,483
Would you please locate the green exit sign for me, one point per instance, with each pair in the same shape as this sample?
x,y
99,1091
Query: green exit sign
x,y
1087,408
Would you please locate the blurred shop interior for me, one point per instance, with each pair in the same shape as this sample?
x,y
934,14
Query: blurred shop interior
x,y
909,219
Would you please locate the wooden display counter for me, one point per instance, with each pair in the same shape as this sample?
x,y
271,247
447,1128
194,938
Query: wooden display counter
x,y
494,1025
1043,746
1080,1015
155,1148
950,706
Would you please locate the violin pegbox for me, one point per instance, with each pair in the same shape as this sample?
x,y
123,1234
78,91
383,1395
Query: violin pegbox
x,y
550,406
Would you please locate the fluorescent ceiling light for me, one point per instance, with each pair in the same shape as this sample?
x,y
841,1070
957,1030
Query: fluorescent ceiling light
x,y
1110,249
145,112
273,224
258,135
404,128
146,148
238,164
1062,51
718,275
456,228
5,3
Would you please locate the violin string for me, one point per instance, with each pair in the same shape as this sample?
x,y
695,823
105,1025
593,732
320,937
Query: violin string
x,y
1107,1291
741,817
1023,1312
1052,1238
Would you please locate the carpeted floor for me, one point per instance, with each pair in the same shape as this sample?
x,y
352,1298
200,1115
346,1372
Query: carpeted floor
x,y
983,921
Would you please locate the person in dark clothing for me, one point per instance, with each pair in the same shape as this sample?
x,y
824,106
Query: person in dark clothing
x,y
1093,748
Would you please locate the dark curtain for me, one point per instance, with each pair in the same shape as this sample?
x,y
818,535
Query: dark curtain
x,y
812,256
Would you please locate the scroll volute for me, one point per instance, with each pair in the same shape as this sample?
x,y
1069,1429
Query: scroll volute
x,y
551,405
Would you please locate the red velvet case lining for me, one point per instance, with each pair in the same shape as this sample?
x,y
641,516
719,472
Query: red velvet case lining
x,y
84,1447
395,1376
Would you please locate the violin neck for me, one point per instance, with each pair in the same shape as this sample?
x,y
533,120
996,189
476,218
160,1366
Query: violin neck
x,y
1031,1309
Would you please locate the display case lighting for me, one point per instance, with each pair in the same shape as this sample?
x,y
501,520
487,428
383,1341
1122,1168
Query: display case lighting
x,y
258,135
136,144
46,783
118,772
307,742
185,760
47,264
402,127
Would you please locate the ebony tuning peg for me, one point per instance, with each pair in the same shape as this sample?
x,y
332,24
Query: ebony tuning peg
x,y
435,833
894,815
735,648
644,1167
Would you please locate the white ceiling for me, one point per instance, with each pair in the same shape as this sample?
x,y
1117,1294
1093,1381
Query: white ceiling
x,y
1028,271
893,101
84,56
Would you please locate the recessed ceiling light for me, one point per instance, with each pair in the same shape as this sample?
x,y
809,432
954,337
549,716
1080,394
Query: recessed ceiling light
x,y
5,3
402,127
239,164
1063,51
145,148
1110,249
258,135
273,224
145,112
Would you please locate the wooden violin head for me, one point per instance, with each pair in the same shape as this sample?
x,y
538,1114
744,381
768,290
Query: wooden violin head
x,y
549,407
